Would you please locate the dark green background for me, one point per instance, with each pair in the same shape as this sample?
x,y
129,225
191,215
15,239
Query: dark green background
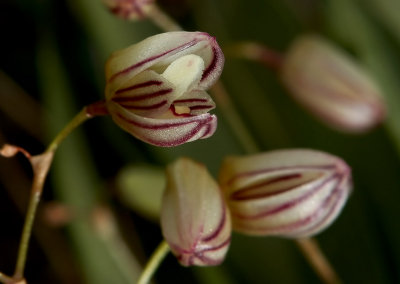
x,y
55,51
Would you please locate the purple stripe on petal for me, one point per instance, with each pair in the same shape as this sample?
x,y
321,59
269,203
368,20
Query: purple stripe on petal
x,y
138,86
289,204
247,193
208,260
211,67
275,169
221,245
210,130
188,256
191,101
152,58
201,121
148,107
141,96
188,136
160,126
336,193
221,225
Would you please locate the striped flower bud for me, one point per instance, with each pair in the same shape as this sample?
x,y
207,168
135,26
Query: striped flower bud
x,y
129,9
287,193
331,85
194,218
156,89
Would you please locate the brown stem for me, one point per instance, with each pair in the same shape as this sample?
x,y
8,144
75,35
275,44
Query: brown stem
x,y
224,101
41,165
318,261
162,20
256,52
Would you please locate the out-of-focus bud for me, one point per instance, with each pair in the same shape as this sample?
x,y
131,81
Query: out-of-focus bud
x,y
194,218
156,89
129,9
331,85
288,193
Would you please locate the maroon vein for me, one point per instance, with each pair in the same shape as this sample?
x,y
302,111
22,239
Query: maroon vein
x,y
138,86
271,170
152,58
245,193
141,96
147,107
211,67
289,204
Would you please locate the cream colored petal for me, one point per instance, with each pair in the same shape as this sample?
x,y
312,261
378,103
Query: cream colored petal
x,y
290,193
194,219
164,132
184,73
197,102
147,94
158,51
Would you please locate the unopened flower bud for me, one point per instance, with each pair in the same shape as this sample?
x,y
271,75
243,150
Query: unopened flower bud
x,y
129,9
194,218
288,193
156,89
332,85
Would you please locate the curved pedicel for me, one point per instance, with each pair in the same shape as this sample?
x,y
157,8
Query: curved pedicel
x,y
194,218
290,193
156,89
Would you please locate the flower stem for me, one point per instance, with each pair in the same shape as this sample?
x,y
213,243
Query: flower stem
x,y
154,262
162,20
224,101
318,261
76,121
41,165
256,52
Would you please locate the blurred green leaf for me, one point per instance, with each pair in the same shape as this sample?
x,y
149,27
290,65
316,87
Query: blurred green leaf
x,y
141,188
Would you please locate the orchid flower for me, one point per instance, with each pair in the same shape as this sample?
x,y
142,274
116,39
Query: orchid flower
x,y
289,193
332,85
156,88
194,218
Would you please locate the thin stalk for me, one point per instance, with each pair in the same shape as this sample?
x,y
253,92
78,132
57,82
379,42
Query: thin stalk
x,y
318,261
233,118
256,52
41,165
162,20
154,263
76,121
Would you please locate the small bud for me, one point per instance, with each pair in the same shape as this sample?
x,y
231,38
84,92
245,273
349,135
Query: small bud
x,y
129,9
331,85
194,218
287,193
156,89
8,151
